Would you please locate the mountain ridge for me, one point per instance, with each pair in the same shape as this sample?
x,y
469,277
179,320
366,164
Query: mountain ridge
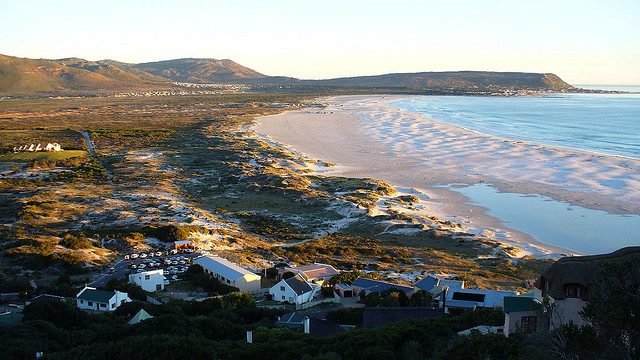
x,y
24,76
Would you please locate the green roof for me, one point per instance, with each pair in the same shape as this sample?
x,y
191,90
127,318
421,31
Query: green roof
x,y
141,315
521,303
99,296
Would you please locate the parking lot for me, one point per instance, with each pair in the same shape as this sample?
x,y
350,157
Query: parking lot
x,y
172,262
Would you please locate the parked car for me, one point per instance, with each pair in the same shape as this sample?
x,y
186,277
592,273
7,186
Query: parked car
x,y
159,253
111,271
133,266
134,256
173,252
142,266
126,257
143,255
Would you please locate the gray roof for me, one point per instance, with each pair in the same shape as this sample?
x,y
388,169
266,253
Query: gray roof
x,y
140,316
299,285
378,286
99,296
429,282
223,267
469,298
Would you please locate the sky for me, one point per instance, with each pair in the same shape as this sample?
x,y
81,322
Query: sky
x,y
583,42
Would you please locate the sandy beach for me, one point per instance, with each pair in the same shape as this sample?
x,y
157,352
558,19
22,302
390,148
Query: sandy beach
x,y
365,137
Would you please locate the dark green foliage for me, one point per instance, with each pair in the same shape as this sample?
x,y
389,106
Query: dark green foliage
x,y
420,298
134,291
393,297
288,275
15,284
59,313
482,347
347,316
349,277
614,308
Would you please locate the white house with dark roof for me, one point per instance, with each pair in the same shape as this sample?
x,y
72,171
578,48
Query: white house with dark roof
x,y
150,281
314,273
92,299
229,273
294,290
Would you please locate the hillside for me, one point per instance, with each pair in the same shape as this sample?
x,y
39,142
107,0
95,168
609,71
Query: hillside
x,y
22,76
456,80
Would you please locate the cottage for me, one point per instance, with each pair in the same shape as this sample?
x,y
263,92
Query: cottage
x,y
92,299
369,285
315,273
569,283
151,281
294,290
229,273
524,314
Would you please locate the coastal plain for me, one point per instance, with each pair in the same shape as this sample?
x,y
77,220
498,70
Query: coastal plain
x,y
366,137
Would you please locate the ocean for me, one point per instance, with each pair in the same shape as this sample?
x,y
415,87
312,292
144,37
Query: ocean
x,y
599,123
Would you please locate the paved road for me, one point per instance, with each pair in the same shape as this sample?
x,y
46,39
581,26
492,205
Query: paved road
x,y
121,269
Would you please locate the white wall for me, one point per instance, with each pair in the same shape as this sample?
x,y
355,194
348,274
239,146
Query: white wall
x,y
148,280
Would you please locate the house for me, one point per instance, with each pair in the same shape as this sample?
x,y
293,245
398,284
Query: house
x,y
53,147
140,316
150,281
524,314
377,316
435,284
295,319
181,244
569,283
474,298
343,290
294,290
370,285
315,273
92,299
229,273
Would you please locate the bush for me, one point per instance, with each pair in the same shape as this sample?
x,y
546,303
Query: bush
x,y
75,242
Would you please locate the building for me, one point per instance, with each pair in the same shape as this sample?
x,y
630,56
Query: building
x,y
294,290
45,297
315,273
370,285
569,282
524,314
182,244
343,290
150,281
474,298
229,273
92,299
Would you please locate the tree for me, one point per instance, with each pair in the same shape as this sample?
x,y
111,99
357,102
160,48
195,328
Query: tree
x,y
288,275
421,298
614,308
237,300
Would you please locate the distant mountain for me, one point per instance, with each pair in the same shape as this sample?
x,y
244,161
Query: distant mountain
x,y
200,70
22,76
456,80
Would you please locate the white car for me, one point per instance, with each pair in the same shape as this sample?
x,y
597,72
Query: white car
x,y
173,252
142,266
134,256
143,255
159,253
133,266
126,257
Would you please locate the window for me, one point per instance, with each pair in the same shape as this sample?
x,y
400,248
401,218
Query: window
x,y
103,305
528,324
228,281
90,303
158,287
81,301
147,277
283,297
113,305
573,290
281,288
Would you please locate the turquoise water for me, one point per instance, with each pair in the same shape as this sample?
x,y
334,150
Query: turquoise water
x,y
599,123
557,223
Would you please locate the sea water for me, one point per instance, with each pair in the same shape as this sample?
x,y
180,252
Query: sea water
x,y
598,123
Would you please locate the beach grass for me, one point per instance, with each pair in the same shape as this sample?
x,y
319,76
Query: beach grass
x,y
25,157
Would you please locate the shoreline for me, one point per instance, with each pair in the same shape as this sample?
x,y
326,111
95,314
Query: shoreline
x,y
366,137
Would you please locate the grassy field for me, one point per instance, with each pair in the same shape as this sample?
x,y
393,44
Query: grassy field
x,y
25,157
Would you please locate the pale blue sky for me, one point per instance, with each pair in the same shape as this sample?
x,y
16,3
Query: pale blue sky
x,y
584,42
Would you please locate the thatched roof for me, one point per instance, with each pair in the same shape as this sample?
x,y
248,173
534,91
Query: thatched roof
x,y
581,270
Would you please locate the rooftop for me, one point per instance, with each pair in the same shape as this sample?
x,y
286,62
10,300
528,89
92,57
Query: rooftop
x,y
298,284
99,296
223,267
